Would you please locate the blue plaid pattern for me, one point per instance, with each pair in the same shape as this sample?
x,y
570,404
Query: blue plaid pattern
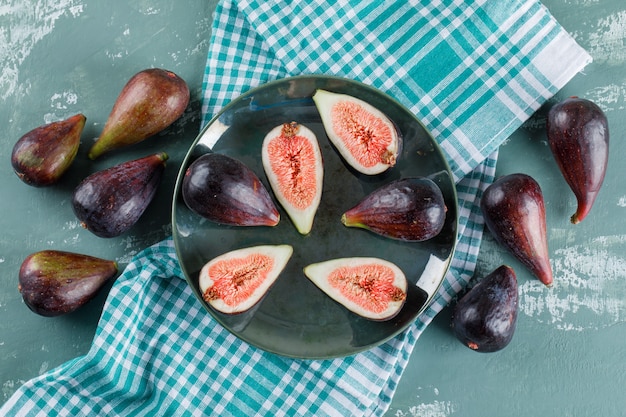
x,y
473,71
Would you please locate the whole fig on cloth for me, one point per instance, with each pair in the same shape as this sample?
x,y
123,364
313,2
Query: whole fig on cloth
x,y
224,190
514,211
292,161
484,319
150,101
364,136
56,282
109,202
44,154
409,209
370,287
236,281
578,134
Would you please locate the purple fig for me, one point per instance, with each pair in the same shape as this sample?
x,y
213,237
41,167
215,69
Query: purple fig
x,y
110,202
484,319
55,282
578,134
514,212
224,190
42,156
152,100
409,209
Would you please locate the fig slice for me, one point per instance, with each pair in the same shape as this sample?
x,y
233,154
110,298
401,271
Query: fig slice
x,y
224,190
364,136
237,280
292,161
370,287
409,209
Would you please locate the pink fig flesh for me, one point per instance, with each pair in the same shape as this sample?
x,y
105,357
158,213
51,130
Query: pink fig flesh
x,y
578,134
151,101
514,211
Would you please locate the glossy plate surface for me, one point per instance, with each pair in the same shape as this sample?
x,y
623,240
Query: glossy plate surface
x,y
297,319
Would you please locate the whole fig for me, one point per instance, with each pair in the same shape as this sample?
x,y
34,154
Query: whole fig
x,y
578,134
515,214
44,154
55,282
224,190
152,100
408,209
484,319
111,201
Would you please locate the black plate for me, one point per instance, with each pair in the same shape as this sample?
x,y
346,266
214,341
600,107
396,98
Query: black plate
x,y
296,319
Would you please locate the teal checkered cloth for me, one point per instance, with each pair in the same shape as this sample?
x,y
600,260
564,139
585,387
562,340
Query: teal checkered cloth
x,y
472,70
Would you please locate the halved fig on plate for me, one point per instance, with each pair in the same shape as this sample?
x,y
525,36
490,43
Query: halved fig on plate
x,y
292,161
370,287
237,280
364,136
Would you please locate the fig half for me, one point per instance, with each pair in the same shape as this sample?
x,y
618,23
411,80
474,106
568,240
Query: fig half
x,y
578,134
292,161
224,190
364,136
237,280
370,287
409,209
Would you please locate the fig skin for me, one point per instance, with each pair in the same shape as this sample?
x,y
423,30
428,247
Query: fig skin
x,y
373,288
109,202
41,156
514,211
224,190
578,134
150,101
409,209
363,135
236,281
293,164
54,282
484,319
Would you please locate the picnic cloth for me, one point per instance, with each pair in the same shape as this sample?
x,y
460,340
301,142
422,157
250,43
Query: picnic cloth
x,y
472,70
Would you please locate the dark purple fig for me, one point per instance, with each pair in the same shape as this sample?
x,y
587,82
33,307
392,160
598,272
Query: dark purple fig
x,y
55,282
111,201
224,190
42,156
409,209
151,101
236,281
364,136
484,319
370,287
515,214
578,134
